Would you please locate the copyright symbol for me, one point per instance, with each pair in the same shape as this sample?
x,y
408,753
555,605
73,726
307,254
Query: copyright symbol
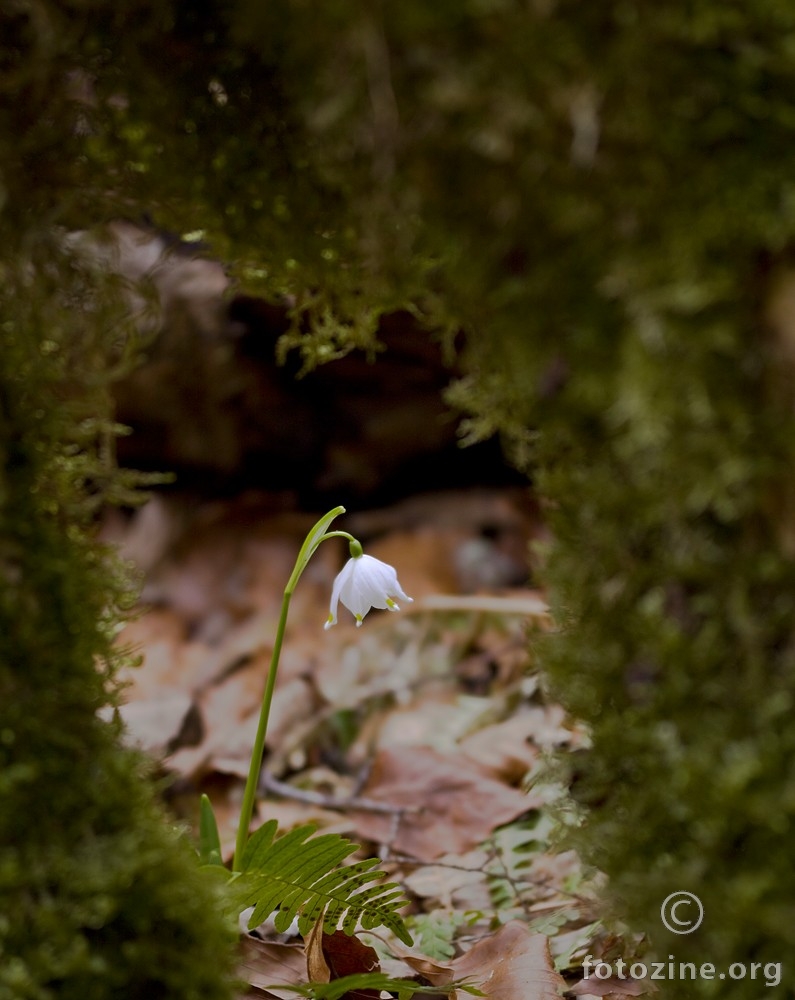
x,y
682,912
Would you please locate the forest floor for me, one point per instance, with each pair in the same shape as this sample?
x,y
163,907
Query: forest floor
x,y
426,736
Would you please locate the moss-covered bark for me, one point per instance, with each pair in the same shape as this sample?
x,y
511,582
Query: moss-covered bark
x,y
599,195
99,897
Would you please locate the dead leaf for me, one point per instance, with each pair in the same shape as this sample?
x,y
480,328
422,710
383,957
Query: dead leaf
x,y
267,965
456,541
457,877
507,510
229,711
513,964
443,804
169,661
436,974
226,704
317,969
153,529
145,537
154,725
333,956
224,709
427,557
292,814
613,986
549,728
437,715
503,750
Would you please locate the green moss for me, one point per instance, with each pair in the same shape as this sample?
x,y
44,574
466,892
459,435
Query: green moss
x,y
99,897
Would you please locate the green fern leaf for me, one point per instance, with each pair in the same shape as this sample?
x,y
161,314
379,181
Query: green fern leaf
x,y
302,877
405,989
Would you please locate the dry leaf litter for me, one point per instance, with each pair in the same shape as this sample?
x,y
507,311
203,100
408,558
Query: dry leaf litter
x,y
424,736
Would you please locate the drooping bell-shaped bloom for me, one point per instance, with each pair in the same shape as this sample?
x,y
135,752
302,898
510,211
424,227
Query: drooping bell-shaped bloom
x,y
363,583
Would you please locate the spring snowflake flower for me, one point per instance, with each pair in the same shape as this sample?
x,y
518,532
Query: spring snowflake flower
x,y
363,583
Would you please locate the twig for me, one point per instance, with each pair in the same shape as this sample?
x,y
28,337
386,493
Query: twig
x,y
525,604
351,804
537,882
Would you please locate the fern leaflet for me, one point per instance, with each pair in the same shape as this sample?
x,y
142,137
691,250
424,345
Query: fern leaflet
x,y
303,878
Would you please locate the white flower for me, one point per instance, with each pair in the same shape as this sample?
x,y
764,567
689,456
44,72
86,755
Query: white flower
x,y
363,583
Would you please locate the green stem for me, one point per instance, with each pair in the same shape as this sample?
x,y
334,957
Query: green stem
x,y
338,534
317,535
247,809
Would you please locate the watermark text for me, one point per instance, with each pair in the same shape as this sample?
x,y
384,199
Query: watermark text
x,y
592,968
682,912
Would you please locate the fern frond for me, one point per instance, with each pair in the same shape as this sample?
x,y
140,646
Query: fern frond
x,y
303,878
405,989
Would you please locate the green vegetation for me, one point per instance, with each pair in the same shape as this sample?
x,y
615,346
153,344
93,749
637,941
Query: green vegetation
x,y
601,198
303,877
99,898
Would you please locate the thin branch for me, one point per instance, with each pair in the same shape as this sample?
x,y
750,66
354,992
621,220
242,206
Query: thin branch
x,y
350,804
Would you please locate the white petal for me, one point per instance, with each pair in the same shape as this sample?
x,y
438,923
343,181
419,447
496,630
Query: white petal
x,y
358,593
380,576
384,578
336,590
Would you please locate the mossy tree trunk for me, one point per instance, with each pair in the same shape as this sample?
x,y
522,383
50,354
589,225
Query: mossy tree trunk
x,y
99,897
600,196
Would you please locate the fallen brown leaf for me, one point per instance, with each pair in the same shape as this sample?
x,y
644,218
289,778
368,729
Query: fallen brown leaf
x,y
229,711
503,749
153,725
437,715
434,972
427,557
146,537
333,956
169,661
549,727
456,882
613,986
442,804
268,965
512,964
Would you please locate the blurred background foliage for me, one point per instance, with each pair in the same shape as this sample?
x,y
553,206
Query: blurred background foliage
x,y
601,199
